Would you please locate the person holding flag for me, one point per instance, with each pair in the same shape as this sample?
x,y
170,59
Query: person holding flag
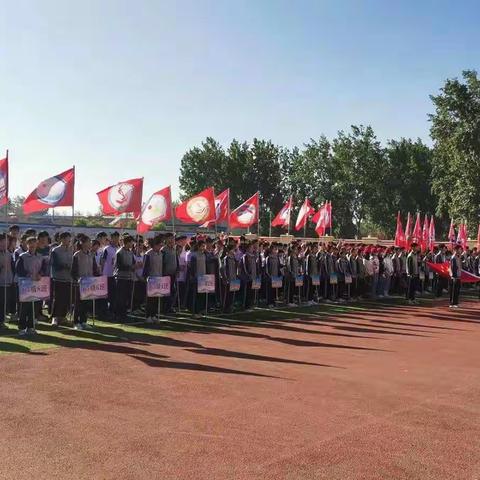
x,y
455,271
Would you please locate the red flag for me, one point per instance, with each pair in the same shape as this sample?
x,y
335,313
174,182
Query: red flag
x,y
246,214
478,238
222,205
53,192
417,231
157,209
283,217
443,269
329,218
462,235
306,211
431,234
426,228
123,197
408,231
322,220
198,209
451,233
4,181
399,235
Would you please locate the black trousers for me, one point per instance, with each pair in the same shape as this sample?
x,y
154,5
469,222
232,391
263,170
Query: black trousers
x,y
62,298
308,288
169,302
112,288
271,292
123,297
247,293
195,301
152,304
228,296
5,300
412,287
27,314
81,308
455,285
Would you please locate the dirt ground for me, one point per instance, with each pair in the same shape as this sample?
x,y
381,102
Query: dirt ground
x,y
391,393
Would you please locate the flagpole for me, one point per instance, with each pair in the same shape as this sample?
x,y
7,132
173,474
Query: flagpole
x,y
73,202
172,214
270,224
228,213
6,249
289,214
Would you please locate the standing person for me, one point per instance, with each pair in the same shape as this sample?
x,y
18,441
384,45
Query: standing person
x,y
412,273
181,246
229,272
311,270
61,266
6,278
124,267
352,259
293,270
361,274
29,265
440,258
83,265
388,272
213,268
107,265
344,271
331,272
43,250
153,267
272,269
248,272
196,268
455,271
170,268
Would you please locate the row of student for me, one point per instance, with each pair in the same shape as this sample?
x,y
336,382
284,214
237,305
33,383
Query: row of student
x,y
329,272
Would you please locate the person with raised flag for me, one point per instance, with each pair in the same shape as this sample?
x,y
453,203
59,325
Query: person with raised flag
x,y
305,212
282,219
57,191
246,214
123,197
83,265
197,209
61,264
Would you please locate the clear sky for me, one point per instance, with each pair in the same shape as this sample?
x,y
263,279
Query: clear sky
x,y
123,88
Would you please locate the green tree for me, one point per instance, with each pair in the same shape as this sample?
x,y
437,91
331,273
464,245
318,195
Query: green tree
x,y
455,131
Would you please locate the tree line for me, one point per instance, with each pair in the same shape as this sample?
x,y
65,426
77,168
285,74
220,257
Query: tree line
x,y
366,181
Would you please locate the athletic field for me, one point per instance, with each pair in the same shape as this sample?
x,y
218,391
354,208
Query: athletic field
x,y
358,391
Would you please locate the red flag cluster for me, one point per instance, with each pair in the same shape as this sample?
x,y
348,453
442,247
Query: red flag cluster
x,y
423,236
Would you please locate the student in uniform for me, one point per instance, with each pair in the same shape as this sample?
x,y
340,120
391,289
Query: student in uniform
x,y
43,250
153,267
196,268
181,242
29,265
343,269
293,270
83,265
124,267
440,258
272,269
412,273
6,279
455,271
228,273
311,270
61,266
170,268
248,272
107,267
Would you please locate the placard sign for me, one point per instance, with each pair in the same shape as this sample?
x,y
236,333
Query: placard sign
x,y
206,283
30,290
333,279
315,280
158,286
93,288
348,279
299,281
256,283
277,282
234,285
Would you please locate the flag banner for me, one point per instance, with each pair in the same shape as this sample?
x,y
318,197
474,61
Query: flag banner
x,y
157,209
399,234
246,214
4,181
30,290
304,213
443,269
222,205
408,232
323,219
158,286
299,281
283,217
425,234
93,288
123,197
462,235
257,283
206,283
57,191
234,285
198,209
315,280
431,234
277,282
451,233
417,231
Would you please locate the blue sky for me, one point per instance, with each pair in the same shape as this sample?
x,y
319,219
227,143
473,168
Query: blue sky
x,y
122,89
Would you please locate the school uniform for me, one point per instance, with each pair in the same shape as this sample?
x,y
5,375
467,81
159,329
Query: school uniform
x,y
248,272
343,269
83,265
170,268
152,267
229,272
61,264
196,268
7,269
311,270
272,269
293,271
455,279
123,273
29,266
412,271
331,269
108,266
181,276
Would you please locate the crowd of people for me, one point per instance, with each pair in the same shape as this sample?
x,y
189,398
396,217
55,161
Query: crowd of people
x,y
264,273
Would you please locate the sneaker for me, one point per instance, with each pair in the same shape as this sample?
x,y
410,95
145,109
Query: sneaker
x,y
291,305
54,322
78,326
31,331
22,333
454,306
86,326
149,320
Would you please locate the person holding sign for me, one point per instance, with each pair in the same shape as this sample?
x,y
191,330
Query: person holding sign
x,y
312,272
123,270
229,278
83,265
248,272
29,265
153,267
170,268
6,278
293,271
61,265
196,269
272,274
